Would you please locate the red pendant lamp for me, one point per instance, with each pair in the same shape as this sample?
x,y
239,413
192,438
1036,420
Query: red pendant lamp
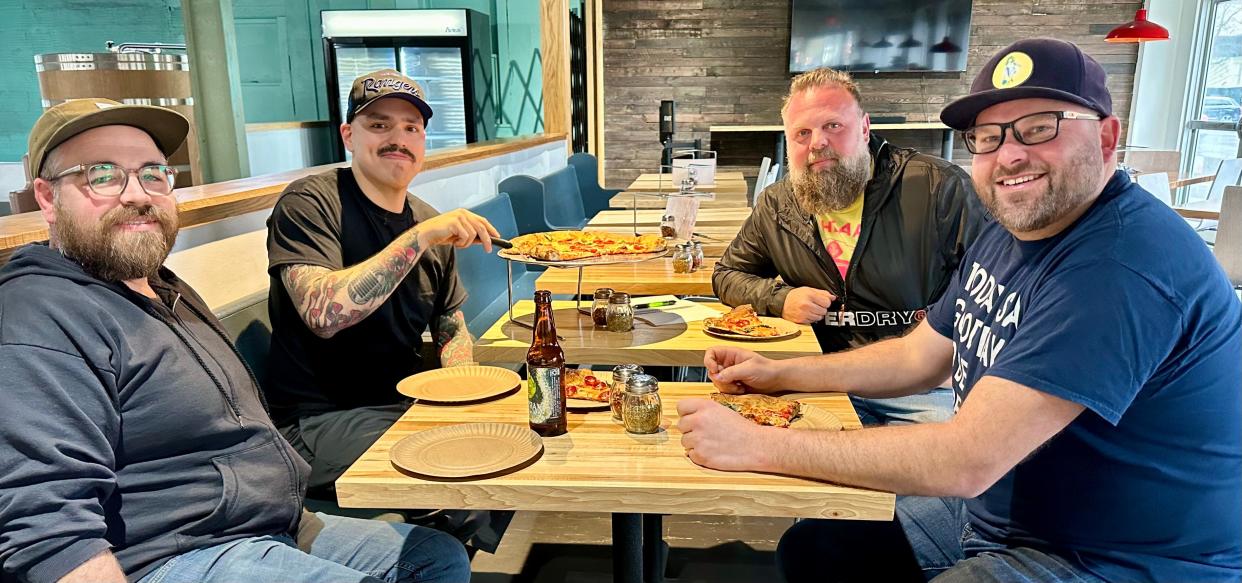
x,y
1138,30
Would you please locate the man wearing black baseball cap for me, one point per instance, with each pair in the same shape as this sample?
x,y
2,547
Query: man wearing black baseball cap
x,y
136,445
360,270
1093,342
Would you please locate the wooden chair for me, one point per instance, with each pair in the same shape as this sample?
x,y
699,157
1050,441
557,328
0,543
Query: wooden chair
x,y
1228,248
1158,185
1154,161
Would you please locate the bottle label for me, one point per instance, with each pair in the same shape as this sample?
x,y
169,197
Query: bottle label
x,y
544,395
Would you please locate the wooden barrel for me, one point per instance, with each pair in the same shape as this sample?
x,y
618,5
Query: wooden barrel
x,y
130,78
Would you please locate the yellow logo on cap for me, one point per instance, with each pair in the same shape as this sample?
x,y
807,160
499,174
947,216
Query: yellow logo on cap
x,y
1012,70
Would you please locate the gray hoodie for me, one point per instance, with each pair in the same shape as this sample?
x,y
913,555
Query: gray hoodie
x,y
129,423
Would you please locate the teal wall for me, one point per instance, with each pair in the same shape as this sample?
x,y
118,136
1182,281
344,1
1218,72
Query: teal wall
x,y
280,53
33,27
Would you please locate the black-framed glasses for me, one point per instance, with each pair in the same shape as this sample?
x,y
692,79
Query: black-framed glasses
x,y
1029,130
110,180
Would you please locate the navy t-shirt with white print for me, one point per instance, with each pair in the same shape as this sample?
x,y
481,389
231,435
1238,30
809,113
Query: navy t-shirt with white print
x,y
1126,313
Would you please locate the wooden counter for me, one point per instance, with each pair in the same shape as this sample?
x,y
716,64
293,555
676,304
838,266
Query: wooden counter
x,y
212,202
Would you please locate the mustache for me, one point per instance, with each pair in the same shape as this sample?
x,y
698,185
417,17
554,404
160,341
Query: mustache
x,y
822,154
390,148
125,213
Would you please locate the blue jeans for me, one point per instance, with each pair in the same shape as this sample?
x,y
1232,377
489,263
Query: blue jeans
x,y
930,540
933,406
346,549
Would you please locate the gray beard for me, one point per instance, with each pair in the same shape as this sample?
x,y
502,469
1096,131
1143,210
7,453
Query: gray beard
x,y
116,256
1068,187
834,188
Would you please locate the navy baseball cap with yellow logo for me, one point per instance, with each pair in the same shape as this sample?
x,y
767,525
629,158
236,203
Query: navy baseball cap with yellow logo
x,y
377,85
1031,68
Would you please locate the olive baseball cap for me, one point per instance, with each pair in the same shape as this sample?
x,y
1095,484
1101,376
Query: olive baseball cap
x,y
65,120
1036,67
372,87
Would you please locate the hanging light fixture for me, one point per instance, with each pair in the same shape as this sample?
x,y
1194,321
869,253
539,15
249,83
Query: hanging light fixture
x,y
945,46
910,42
882,43
1138,30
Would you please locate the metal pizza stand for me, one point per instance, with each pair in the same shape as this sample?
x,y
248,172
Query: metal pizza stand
x,y
510,256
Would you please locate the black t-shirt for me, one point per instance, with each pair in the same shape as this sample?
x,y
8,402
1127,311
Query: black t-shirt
x,y
326,220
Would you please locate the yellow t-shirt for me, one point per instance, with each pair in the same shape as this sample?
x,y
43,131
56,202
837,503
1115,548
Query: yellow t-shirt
x,y
839,231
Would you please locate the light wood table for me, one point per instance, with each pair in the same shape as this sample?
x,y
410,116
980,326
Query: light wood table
x,y
647,200
722,217
726,182
680,344
598,467
653,277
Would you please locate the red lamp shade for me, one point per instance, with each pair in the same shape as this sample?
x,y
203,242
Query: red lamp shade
x,y
1138,30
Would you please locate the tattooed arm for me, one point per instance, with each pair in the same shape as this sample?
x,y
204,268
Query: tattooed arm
x,y
330,301
453,339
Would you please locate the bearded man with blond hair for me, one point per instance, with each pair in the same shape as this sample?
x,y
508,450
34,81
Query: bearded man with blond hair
x,y
857,240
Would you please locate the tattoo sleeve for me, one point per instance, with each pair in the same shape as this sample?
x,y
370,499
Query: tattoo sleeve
x,y
330,301
453,339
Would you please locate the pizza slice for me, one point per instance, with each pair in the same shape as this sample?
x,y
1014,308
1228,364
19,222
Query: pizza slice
x,y
761,409
580,383
742,320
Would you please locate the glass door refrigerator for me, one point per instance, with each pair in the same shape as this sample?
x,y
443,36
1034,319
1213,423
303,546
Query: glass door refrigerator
x,y
448,52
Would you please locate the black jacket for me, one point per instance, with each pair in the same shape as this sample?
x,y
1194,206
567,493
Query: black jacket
x,y
130,423
919,213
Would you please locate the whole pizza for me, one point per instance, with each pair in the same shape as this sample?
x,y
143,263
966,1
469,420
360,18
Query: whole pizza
x,y
762,409
572,245
742,320
581,384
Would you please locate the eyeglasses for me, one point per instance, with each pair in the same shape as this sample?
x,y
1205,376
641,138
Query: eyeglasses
x,y
110,180
1029,130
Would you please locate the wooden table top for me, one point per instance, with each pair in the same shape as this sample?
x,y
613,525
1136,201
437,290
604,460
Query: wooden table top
x,y
680,344
716,217
725,182
647,200
598,467
654,278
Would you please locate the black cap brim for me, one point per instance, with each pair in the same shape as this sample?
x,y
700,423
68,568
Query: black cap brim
x,y
415,101
961,113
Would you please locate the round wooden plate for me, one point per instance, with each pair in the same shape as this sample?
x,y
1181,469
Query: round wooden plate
x,y
468,450
459,384
785,328
812,417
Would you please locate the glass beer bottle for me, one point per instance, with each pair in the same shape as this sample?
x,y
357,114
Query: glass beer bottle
x,y
545,370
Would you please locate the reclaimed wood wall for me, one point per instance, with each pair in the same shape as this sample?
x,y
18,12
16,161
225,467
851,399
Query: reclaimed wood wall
x,y
725,62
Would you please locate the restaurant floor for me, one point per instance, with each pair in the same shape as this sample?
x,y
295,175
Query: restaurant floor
x,y
575,547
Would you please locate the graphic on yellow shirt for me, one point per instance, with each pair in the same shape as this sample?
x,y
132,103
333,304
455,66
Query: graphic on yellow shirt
x,y
839,231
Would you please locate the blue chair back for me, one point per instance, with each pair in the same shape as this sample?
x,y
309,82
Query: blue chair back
x,y
562,201
526,196
594,197
483,274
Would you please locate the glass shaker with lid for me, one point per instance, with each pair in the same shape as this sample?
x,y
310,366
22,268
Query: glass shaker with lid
x,y
621,375
683,259
599,307
620,313
641,408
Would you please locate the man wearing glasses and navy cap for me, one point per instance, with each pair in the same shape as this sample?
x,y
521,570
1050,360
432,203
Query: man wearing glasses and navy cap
x,y
1095,347
136,445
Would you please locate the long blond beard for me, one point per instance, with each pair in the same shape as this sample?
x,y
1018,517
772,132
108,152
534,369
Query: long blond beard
x,y
833,188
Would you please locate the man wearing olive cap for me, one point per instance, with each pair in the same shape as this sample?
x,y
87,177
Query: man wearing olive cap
x,y
136,445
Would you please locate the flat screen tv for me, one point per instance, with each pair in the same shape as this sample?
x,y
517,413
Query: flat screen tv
x,y
879,35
